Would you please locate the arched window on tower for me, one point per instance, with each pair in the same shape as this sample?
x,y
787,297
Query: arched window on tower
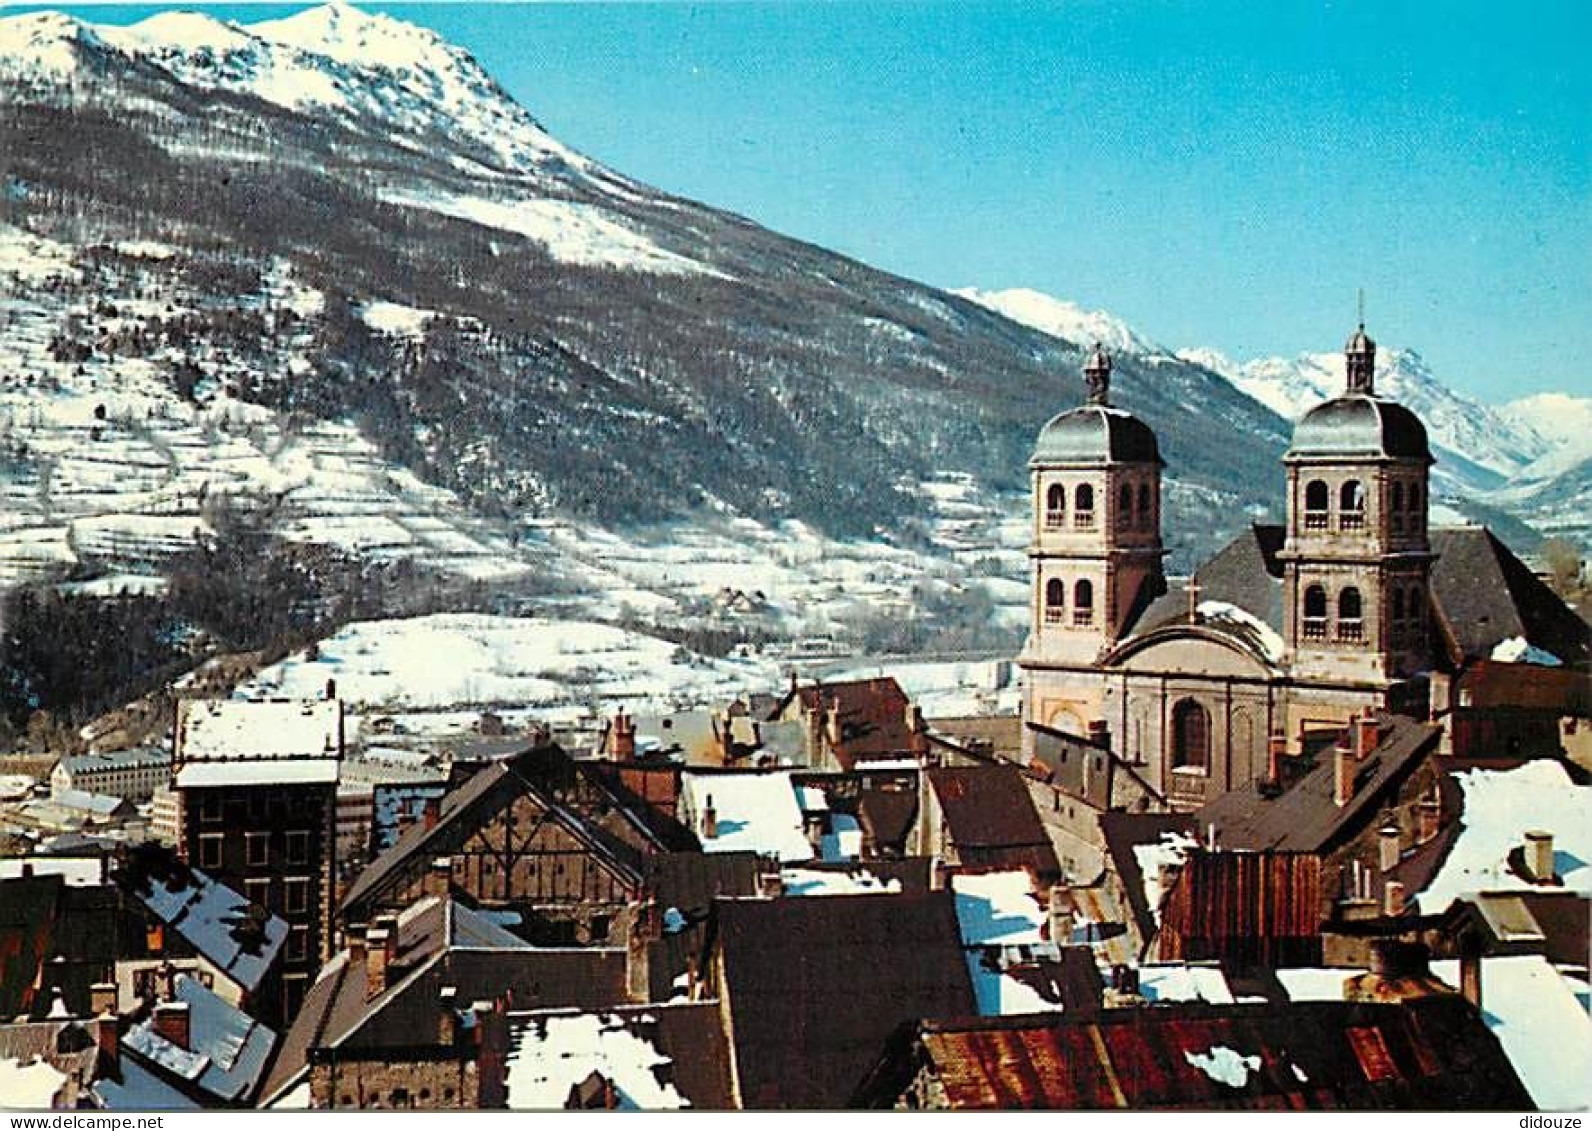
x,y
1191,736
1351,506
1083,603
1055,600
1417,513
1317,500
1055,507
1396,508
1351,623
1083,507
1125,507
1314,622
1399,626
1146,508
1416,610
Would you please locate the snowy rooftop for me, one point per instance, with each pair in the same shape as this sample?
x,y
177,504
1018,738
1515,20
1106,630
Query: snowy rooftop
x,y
79,871
216,921
1500,807
552,1055
227,1049
756,812
815,881
29,1085
1172,849
997,907
244,742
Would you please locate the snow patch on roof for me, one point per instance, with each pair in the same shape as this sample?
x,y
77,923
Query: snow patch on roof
x,y
230,729
812,881
1172,849
1181,982
1501,806
844,840
755,813
1265,637
553,1055
29,1085
997,907
1519,650
1224,1065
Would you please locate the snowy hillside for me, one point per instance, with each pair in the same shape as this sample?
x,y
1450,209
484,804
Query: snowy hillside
x,y
1063,319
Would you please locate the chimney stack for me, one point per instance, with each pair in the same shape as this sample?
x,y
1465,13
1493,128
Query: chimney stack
x,y
1100,734
833,721
1343,764
1539,856
622,737
331,689
1368,733
102,998
108,1039
1428,819
1392,899
1062,916
431,812
771,885
448,1016
710,820
439,877
174,1023
381,947
1387,847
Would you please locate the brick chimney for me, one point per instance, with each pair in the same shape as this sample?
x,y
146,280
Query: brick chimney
x,y
431,812
622,737
1100,734
832,721
1343,767
107,1038
174,1023
1392,899
1367,734
102,998
710,820
1387,847
1539,856
448,1016
331,689
771,884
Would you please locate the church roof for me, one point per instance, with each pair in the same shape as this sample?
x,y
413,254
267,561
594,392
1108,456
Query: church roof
x,y
1485,596
1095,434
1359,426
1245,574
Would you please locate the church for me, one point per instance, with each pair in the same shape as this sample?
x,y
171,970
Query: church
x,y
1288,631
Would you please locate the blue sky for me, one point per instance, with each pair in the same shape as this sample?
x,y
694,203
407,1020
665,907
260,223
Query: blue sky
x,y
1217,174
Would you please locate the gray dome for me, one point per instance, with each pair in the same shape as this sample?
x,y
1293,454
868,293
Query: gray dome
x,y
1095,434
1359,426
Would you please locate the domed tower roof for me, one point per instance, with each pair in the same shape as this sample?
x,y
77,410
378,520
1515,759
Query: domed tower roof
x,y
1096,433
1359,424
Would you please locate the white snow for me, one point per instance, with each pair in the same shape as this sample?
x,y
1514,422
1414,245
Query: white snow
x,y
581,234
843,842
551,1055
396,319
29,1086
1224,1065
997,907
1063,319
78,871
1270,642
1500,807
234,742
813,881
1519,650
756,812
1175,981
1172,849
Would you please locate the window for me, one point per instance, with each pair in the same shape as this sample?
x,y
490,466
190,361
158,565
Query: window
x,y
296,895
1083,507
1125,507
210,850
1055,506
1351,506
298,846
1398,609
1396,507
1350,625
1055,600
1083,603
256,849
258,892
210,808
1315,618
1316,504
1191,736
298,944
1146,516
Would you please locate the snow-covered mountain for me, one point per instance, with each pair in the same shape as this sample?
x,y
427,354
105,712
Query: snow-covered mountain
x,y
1063,319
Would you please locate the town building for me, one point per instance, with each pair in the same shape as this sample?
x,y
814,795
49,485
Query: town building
x,y
131,774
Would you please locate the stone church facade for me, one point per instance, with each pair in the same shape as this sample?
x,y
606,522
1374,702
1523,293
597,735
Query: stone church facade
x,y
1288,631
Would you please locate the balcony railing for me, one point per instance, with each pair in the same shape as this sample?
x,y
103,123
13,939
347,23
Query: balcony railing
x,y
1315,628
1351,520
1351,631
1315,520
1083,520
1054,614
1055,520
1082,617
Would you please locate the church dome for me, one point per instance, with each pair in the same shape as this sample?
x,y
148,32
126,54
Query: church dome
x,y
1359,427
1095,434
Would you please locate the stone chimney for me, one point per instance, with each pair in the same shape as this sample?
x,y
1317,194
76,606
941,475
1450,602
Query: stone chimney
x,y
1100,734
1392,899
1062,917
622,737
448,1016
1387,847
1343,767
439,877
102,998
1367,735
174,1023
1539,856
710,820
379,943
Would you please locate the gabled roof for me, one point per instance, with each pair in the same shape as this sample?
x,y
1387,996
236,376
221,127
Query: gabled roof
x,y
1484,595
1432,1053
1245,574
992,820
239,938
1304,817
873,716
815,986
227,1049
440,942
551,776
229,742
1125,832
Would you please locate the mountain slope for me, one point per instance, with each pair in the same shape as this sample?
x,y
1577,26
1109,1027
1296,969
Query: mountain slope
x,y
336,221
